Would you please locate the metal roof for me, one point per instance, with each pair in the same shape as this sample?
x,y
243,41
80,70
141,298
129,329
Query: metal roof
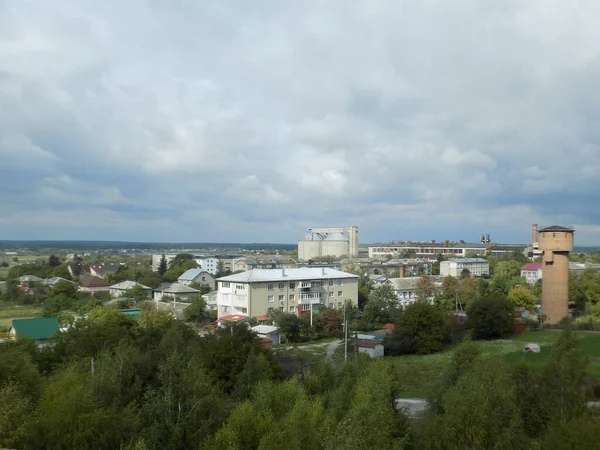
x,y
190,274
556,228
176,288
287,274
468,260
125,285
37,328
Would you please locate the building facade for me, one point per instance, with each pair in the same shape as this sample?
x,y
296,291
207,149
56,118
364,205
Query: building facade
x,y
329,241
532,272
427,250
197,276
259,291
455,267
556,242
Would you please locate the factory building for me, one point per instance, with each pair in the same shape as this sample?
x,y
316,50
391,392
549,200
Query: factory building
x,y
329,241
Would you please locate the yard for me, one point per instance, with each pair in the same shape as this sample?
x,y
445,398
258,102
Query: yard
x,y
15,312
419,374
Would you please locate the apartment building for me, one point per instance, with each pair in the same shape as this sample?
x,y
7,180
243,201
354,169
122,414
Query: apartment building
x,y
427,250
294,290
455,267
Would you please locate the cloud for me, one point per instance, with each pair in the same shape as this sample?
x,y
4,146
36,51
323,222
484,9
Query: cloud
x,y
194,121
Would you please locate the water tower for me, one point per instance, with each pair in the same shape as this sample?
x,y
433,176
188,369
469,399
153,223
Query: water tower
x,y
556,242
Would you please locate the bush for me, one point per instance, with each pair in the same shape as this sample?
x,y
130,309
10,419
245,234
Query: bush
x,y
491,317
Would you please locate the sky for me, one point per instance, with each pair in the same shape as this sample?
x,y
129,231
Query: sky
x,y
239,121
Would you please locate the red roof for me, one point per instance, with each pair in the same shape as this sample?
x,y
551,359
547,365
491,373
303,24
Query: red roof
x,y
389,326
90,281
232,318
262,318
532,266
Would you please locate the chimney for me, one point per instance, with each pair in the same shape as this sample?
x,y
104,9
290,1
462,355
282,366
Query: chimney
x,y
283,271
534,233
323,271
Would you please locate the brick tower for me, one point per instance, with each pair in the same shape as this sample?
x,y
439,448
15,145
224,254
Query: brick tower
x,y
556,242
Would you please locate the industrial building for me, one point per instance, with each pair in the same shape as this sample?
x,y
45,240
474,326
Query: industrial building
x,y
428,250
455,267
329,241
259,291
555,242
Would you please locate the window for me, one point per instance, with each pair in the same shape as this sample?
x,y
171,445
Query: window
x,y
306,307
317,283
225,284
271,298
281,308
270,310
281,285
224,309
331,293
239,286
203,278
292,297
270,287
330,282
340,293
281,298
340,282
292,285
292,309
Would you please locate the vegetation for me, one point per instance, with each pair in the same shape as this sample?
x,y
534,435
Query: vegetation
x,y
491,317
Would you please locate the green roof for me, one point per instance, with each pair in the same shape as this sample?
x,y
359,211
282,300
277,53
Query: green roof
x,y
131,312
37,328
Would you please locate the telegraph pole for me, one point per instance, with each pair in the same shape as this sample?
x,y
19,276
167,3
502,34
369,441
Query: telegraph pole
x,y
345,334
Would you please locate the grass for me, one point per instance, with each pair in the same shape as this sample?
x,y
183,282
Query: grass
x,y
15,312
419,374
4,272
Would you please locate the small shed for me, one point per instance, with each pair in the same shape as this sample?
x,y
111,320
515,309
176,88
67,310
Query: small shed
x,y
268,332
39,329
372,347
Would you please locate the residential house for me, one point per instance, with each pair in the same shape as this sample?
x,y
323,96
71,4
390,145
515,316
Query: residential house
x,y
175,292
54,281
406,289
455,267
28,280
90,283
532,272
377,279
103,270
39,329
197,276
211,300
368,344
268,332
121,289
296,290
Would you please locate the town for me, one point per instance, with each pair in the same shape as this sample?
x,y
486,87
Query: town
x,y
332,301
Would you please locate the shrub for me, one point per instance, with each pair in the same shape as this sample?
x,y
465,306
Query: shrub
x,y
491,317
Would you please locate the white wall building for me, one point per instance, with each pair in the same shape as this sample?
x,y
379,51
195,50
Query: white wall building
x,y
406,289
532,272
156,260
428,250
475,266
294,290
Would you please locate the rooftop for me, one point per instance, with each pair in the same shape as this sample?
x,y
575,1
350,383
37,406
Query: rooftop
x,y
556,228
189,275
90,281
176,288
469,260
232,318
532,266
126,285
265,329
289,274
37,328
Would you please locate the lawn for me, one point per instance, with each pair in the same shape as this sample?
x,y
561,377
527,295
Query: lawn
x,y
15,312
420,374
4,272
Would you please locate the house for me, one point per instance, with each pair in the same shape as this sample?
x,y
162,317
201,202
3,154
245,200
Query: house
x,y
405,289
197,276
370,345
377,279
268,332
295,290
54,281
90,283
211,300
103,270
175,292
455,267
121,289
27,280
39,329
532,272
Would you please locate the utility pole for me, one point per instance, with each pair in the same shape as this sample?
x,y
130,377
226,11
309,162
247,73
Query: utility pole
x,y
345,334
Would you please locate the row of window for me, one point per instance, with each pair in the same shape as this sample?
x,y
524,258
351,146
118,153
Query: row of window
x,y
281,298
306,284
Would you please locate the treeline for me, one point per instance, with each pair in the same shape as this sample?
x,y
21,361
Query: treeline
x,y
158,246
117,383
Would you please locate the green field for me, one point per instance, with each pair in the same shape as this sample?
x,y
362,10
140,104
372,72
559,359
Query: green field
x,y
420,374
15,312
4,272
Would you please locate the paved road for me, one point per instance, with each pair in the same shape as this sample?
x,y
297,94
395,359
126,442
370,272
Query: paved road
x,y
331,348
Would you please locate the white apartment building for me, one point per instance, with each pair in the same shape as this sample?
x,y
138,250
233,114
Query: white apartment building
x,y
454,267
429,250
532,272
406,289
294,290
157,258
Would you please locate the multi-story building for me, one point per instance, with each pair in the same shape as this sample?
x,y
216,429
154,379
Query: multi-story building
x,y
427,250
258,291
532,272
157,258
455,267
211,263
406,289
329,241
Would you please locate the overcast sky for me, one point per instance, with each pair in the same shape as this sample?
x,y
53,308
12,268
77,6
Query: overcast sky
x,y
249,121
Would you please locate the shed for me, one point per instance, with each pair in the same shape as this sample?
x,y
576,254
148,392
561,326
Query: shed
x,y
38,329
269,332
372,347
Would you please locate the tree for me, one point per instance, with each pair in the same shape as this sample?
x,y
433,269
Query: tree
x,y
521,297
424,288
65,288
180,259
467,290
425,324
289,325
162,265
330,321
203,288
465,273
221,272
138,293
196,311
381,306
491,317
53,261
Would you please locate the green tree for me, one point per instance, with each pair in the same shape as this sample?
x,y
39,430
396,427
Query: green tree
x,y
381,307
424,288
289,325
491,317
449,292
467,290
180,259
522,297
54,261
196,311
162,265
